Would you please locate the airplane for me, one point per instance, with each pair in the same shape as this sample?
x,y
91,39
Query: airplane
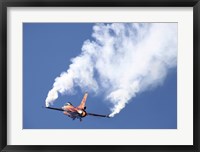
x,y
78,112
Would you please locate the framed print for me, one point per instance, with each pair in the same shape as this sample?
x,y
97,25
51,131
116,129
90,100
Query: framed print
x,y
100,76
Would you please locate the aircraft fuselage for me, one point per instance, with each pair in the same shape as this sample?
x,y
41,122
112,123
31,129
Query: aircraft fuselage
x,y
74,112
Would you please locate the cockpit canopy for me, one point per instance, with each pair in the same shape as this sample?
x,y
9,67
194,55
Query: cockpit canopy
x,y
68,103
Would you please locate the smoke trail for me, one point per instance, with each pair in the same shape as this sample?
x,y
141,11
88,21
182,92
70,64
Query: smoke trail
x,y
123,60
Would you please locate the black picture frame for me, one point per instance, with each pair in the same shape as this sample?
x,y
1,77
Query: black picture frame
x,y
98,3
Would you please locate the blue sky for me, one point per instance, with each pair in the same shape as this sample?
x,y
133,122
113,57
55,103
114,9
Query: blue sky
x,y
47,50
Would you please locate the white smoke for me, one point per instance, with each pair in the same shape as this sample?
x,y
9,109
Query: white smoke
x,y
122,60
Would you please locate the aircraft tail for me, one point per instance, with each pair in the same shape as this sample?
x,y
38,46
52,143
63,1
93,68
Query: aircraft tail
x,y
82,105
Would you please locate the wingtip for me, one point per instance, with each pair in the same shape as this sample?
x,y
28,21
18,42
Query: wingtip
x,y
44,107
108,116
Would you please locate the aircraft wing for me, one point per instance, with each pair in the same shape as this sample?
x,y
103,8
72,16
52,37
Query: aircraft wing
x,y
59,109
98,115
82,105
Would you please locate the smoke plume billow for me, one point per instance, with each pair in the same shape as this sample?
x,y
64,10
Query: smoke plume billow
x,y
123,60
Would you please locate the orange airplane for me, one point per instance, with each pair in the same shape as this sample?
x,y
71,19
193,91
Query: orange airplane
x,y
77,112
